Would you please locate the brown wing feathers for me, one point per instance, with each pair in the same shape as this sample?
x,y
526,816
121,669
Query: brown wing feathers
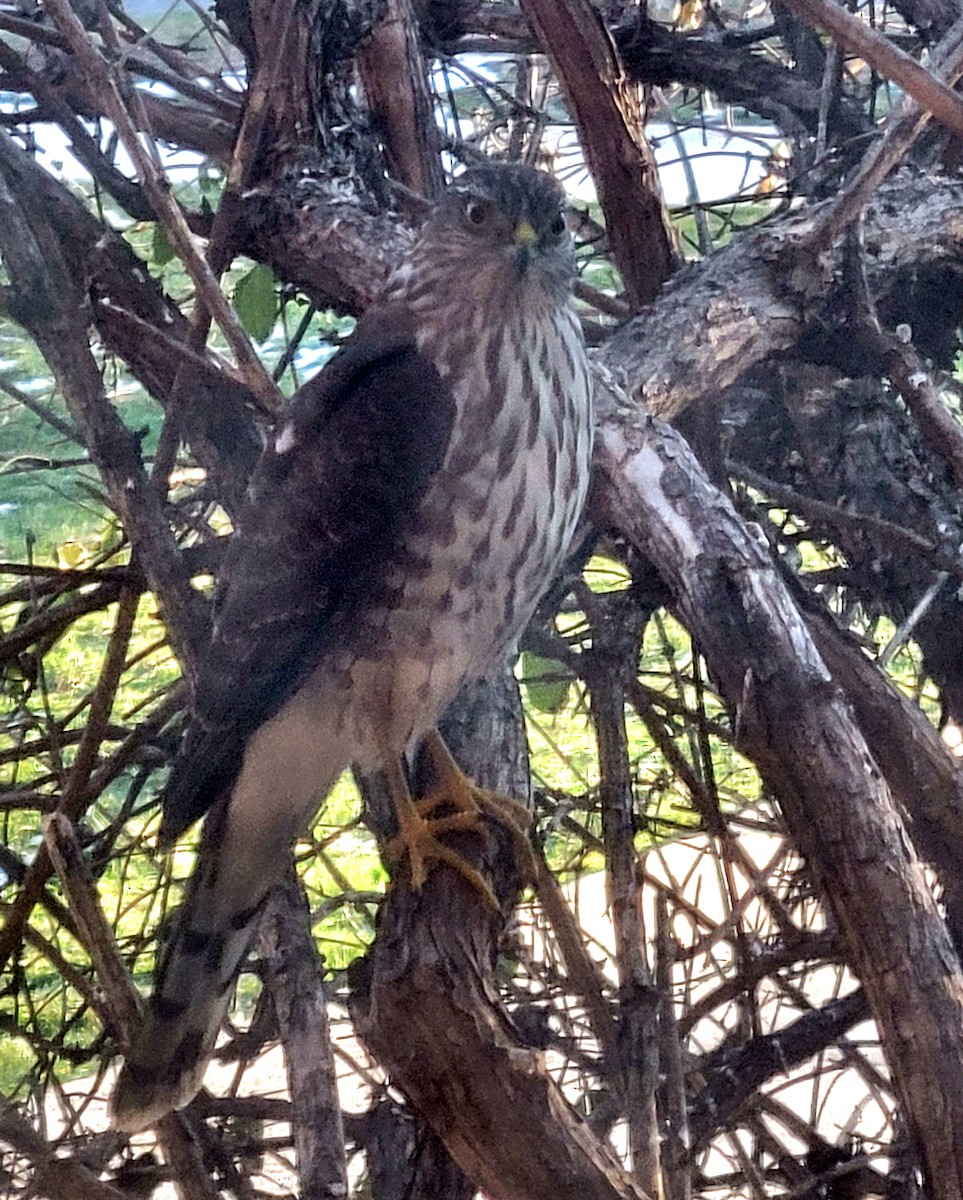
x,y
362,443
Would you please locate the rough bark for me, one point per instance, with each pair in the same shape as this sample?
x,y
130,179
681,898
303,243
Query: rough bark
x,y
845,446
615,648
795,724
393,77
408,1161
925,780
736,73
300,1004
428,1007
316,232
758,297
308,197
609,114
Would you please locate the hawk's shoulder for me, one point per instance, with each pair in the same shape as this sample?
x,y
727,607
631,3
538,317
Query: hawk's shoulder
x,y
329,503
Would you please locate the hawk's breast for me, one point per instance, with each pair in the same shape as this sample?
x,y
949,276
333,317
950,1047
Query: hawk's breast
x,y
492,531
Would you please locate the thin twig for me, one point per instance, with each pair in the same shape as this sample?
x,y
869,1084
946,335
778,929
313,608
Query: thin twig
x,y
143,154
903,126
855,35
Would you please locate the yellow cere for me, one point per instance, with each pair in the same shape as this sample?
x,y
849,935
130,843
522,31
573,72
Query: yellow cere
x,y
525,233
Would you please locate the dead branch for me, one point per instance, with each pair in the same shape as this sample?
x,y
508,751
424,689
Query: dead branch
x,y
619,156
903,127
740,1071
98,69
800,732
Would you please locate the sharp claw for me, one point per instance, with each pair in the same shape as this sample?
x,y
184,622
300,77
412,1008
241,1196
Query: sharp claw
x,y
417,839
418,829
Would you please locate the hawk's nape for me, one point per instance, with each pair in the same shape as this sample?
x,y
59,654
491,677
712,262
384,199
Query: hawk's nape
x,y
419,498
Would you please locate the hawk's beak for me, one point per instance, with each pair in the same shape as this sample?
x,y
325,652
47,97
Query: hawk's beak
x,y
526,241
525,235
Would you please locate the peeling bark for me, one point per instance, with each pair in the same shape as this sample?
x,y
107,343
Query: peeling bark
x,y
797,727
758,297
428,1007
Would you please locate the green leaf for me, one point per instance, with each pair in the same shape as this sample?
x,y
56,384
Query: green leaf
x,y
161,251
211,182
256,301
547,682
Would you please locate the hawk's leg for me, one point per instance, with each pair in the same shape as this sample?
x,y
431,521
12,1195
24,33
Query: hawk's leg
x,y
452,789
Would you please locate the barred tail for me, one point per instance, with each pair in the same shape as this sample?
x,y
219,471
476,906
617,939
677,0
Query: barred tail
x,y
289,767
192,991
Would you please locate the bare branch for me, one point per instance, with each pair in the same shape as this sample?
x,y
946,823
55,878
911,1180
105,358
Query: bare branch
x,y
801,734
855,35
621,161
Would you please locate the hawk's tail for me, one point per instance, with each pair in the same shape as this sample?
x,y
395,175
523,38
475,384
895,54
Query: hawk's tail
x,y
245,849
193,987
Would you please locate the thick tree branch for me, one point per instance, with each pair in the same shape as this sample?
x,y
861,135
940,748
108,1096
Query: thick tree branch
x,y
798,729
608,113
395,85
737,74
426,1002
759,296
317,235
924,778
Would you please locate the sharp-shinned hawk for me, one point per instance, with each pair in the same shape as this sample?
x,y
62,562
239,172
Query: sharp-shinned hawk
x,y
419,498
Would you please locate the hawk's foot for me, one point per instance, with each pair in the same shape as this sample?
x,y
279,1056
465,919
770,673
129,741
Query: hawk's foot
x,y
465,805
454,788
417,837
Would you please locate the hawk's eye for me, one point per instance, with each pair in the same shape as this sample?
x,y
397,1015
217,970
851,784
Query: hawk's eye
x,y
477,213
557,228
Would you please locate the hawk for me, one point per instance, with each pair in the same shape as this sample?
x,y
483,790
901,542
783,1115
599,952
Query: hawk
x,y
418,500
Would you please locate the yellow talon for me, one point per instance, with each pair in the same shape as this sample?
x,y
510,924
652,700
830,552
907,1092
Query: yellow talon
x,y
418,831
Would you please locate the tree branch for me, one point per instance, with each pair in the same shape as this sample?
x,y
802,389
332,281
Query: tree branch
x,y
759,296
798,729
734,1077
736,74
609,116
885,57
425,1001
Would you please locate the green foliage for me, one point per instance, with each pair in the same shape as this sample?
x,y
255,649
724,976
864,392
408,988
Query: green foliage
x,y
161,251
256,301
547,682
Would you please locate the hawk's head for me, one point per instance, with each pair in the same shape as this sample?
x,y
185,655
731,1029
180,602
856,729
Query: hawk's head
x,y
506,222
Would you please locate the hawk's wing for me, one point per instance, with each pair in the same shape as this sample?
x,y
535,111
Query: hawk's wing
x,y
328,504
